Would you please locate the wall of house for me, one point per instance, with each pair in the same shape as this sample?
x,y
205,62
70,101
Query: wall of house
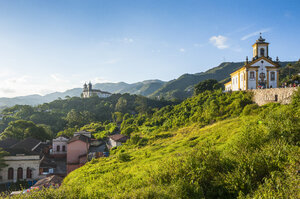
x,y
24,161
60,141
264,96
76,149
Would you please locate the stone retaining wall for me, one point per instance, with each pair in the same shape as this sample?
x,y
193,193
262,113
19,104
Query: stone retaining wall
x,y
277,95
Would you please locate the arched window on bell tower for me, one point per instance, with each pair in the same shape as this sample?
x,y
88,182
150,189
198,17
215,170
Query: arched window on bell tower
x,y
262,52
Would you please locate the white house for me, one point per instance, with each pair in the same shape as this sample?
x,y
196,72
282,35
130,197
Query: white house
x,y
59,145
23,160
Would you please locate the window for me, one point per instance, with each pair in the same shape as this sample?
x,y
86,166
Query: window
x,y
272,76
63,148
252,76
20,173
10,173
262,52
28,173
57,148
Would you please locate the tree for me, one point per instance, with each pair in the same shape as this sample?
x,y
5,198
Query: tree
x,y
22,129
207,85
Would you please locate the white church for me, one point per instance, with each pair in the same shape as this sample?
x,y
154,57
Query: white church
x,y
261,72
88,91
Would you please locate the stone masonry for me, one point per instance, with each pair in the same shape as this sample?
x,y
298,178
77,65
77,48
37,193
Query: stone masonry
x,y
277,95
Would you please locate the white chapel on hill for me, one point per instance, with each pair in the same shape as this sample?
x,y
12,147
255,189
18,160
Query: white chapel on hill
x,y
261,72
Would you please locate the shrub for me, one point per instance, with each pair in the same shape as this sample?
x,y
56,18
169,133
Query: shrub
x,y
124,157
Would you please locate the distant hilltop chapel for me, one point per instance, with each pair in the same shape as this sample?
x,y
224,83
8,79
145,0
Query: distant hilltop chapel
x,y
261,72
88,91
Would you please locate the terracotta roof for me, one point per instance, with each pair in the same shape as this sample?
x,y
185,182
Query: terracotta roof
x,y
80,137
118,138
54,179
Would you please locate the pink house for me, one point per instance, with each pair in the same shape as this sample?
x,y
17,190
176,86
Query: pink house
x,y
77,153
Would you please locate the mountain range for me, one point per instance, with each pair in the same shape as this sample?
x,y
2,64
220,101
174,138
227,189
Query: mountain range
x,y
179,88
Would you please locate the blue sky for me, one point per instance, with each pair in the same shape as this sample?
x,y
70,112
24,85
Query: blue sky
x,y
55,45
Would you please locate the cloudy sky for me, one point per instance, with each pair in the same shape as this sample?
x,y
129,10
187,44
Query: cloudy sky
x,y
55,45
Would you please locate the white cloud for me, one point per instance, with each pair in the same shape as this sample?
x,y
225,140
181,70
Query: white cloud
x,y
255,33
182,50
219,41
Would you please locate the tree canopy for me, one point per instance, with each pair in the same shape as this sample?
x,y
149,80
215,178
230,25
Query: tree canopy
x,y
207,85
21,129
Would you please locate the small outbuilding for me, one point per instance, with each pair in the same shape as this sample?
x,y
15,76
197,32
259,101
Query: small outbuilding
x,y
117,140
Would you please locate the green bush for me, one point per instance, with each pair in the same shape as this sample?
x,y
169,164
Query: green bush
x,y
124,157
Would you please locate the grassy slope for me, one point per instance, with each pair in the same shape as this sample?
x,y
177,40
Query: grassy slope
x,y
254,155
97,178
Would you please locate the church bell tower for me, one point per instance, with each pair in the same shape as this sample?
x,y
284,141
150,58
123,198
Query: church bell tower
x,y
260,48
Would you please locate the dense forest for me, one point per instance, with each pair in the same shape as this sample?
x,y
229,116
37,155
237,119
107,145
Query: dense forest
x,y
213,145
46,120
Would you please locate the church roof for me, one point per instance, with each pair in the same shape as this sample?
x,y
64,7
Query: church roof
x,y
253,62
263,58
261,40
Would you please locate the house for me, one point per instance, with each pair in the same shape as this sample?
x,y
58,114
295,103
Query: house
x,y
77,153
116,140
261,72
23,160
59,146
88,91
82,148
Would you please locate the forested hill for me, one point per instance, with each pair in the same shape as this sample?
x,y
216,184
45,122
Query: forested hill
x,y
179,88
72,113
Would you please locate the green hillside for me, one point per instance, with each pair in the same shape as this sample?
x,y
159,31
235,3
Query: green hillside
x,y
214,145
